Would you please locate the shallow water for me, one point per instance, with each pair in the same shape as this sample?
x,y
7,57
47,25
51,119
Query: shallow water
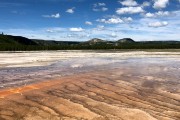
x,y
90,85
158,67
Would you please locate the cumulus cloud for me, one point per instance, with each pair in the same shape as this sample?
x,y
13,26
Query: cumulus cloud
x,y
157,14
110,20
149,15
129,10
76,29
101,4
127,19
115,20
101,20
146,4
99,7
128,3
100,27
159,4
103,9
52,16
88,23
114,35
162,13
158,24
55,29
71,10
49,30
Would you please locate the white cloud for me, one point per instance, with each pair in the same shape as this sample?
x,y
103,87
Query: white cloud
x,y
159,4
71,10
146,4
127,19
100,27
113,19
76,29
149,15
88,23
56,15
162,13
129,10
138,30
128,3
158,14
110,20
158,24
104,9
142,28
101,20
101,4
54,29
99,7
114,35
52,16
49,30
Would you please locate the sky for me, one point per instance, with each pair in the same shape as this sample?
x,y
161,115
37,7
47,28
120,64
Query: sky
x,y
82,20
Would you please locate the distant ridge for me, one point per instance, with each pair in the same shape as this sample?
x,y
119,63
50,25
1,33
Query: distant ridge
x,y
19,43
126,40
9,39
95,40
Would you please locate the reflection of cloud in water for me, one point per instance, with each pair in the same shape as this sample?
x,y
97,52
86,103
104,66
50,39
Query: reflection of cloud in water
x,y
83,62
76,66
67,63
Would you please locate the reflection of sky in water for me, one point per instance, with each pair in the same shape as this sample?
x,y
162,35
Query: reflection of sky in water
x,y
161,67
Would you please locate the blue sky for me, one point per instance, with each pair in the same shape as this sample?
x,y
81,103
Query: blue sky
x,y
81,20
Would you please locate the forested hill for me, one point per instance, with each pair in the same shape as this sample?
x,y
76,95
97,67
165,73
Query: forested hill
x,y
19,43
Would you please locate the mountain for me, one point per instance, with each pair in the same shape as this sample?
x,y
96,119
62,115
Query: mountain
x,y
23,40
53,42
19,43
126,40
16,40
95,41
19,40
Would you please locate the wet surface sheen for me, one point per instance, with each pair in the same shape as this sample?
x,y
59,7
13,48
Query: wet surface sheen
x,y
108,88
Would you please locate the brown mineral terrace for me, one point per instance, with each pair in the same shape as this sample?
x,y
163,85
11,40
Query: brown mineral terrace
x,y
133,89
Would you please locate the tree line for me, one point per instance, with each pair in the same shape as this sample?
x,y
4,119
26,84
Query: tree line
x,y
18,43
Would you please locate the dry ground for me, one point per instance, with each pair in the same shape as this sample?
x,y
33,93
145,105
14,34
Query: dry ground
x,y
117,94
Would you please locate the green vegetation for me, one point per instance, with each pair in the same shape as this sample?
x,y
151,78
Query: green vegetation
x,y
18,43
